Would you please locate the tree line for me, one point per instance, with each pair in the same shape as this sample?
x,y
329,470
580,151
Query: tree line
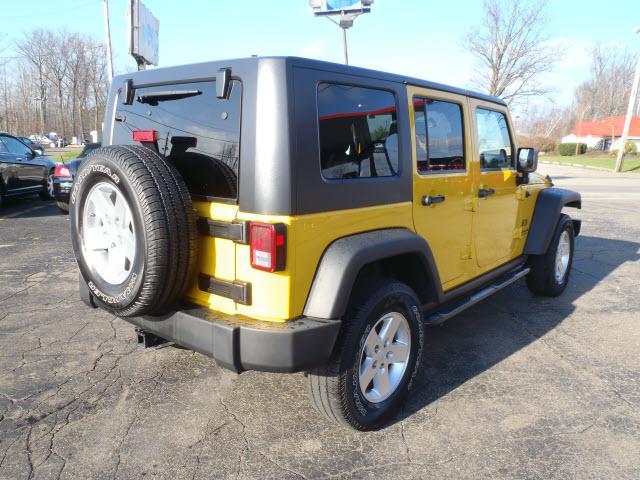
x,y
514,51
57,82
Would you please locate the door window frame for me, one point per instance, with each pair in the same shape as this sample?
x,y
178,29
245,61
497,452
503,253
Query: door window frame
x,y
512,164
465,150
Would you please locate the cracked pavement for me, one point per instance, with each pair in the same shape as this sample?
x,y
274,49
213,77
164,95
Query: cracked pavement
x,y
515,387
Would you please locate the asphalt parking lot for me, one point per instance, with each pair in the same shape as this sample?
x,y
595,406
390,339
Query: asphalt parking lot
x,y
516,387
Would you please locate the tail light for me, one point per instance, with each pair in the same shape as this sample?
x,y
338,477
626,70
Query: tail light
x,y
145,136
267,242
62,171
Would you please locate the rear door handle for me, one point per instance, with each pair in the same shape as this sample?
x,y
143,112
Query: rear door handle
x,y
485,192
429,200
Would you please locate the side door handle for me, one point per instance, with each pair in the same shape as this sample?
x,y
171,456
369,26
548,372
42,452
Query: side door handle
x,y
485,192
429,200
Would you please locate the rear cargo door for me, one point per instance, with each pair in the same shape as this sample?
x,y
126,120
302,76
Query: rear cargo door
x,y
199,134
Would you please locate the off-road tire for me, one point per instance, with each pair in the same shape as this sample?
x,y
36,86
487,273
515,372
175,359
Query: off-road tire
x,y
541,279
64,207
334,388
161,209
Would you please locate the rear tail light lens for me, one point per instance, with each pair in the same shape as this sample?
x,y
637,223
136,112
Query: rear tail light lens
x,y
145,135
267,242
62,171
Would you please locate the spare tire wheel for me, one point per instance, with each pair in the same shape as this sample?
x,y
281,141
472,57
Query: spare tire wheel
x,y
133,230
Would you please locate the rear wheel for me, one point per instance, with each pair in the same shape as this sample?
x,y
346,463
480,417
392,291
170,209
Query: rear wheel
x,y
133,230
375,358
47,192
550,272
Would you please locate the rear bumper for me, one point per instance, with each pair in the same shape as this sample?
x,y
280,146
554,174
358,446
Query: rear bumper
x,y
241,343
61,189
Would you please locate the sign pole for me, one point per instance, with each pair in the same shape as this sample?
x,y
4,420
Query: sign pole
x,y
346,53
107,41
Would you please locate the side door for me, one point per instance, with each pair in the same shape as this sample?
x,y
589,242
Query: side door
x,y
495,189
8,172
31,173
442,182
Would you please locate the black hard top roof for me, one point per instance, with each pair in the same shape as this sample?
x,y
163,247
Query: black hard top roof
x,y
153,75
392,77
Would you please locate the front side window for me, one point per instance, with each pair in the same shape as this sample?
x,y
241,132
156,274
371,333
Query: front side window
x,y
494,140
358,132
439,135
16,146
197,131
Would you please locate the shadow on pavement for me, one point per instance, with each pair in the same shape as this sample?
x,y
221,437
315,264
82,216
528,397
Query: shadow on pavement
x,y
29,207
478,339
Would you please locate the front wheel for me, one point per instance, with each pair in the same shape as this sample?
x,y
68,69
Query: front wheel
x,y
375,358
549,274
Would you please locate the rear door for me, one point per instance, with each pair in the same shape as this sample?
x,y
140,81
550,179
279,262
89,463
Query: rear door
x,y
495,186
442,183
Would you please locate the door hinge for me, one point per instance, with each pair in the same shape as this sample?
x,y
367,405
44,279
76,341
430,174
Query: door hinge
x,y
467,252
522,193
469,204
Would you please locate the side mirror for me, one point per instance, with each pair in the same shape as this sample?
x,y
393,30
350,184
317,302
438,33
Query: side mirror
x,y
527,159
36,153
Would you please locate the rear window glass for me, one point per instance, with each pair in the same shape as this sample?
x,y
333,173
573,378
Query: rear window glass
x,y
197,131
358,132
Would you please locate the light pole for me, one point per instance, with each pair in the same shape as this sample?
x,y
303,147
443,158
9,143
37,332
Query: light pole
x,y
107,41
627,121
348,11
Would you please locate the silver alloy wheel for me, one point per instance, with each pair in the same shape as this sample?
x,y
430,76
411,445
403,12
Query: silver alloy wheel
x,y
563,253
50,190
108,233
384,357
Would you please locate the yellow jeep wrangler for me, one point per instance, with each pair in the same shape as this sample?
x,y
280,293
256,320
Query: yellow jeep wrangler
x,y
285,214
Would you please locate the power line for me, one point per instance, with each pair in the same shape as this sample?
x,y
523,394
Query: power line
x,y
42,14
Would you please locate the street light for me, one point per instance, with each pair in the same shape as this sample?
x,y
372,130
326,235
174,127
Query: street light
x,y
348,11
627,120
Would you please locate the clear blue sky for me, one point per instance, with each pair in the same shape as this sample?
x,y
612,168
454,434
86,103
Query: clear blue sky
x,y
416,37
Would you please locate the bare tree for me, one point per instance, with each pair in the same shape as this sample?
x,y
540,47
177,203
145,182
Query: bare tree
x,y
33,47
512,48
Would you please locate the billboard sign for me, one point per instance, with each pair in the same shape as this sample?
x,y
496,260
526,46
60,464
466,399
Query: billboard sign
x,y
143,34
329,7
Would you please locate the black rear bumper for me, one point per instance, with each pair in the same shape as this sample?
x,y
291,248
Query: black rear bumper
x,y
241,343
62,189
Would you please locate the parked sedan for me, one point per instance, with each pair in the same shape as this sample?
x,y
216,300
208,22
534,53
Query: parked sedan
x,y
23,171
64,174
36,147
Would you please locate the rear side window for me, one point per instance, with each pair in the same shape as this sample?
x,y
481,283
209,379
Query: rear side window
x,y
197,131
439,135
494,140
358,132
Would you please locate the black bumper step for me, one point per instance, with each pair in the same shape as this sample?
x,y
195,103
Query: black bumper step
x,y
241,343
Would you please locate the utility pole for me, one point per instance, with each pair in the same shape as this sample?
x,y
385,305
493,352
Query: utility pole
x,y
107,41
627,121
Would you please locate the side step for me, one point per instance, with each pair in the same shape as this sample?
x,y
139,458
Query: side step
x,y
453,308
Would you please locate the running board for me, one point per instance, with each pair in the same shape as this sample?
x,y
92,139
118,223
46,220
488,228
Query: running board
x,y
455,307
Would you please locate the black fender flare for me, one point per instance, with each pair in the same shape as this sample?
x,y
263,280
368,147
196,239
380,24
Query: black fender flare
x,y
546,214
344,259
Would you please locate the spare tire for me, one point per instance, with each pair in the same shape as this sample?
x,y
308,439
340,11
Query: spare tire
x,y
133,230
